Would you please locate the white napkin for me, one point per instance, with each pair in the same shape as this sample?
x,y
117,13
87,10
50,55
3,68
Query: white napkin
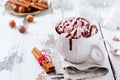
x,y
84,70
72,71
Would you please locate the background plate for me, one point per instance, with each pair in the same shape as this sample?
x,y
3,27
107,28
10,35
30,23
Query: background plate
x,y
9,10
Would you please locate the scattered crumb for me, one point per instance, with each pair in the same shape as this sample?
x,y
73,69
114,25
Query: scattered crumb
x,y
116,39
118,28
41,76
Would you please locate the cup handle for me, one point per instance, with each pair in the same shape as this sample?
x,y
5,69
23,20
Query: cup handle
x,y
97,55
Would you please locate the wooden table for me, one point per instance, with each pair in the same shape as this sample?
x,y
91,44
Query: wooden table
x,y
37,32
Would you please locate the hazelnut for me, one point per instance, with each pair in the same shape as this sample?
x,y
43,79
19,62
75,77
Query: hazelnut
x,y
22,29
28,9
14,7
12,24
29,18
26,0
42,1
34,1
21,9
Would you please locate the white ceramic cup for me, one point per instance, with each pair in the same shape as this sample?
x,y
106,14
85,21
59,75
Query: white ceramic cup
x,y
82,49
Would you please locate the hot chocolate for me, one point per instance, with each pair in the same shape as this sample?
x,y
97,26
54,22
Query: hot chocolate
x,y
76,28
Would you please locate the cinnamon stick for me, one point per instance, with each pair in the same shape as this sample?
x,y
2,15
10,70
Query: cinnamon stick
x,y
35,55
51,66
45,69
46,65
42,5
39,53
32,5
37,7
18,3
